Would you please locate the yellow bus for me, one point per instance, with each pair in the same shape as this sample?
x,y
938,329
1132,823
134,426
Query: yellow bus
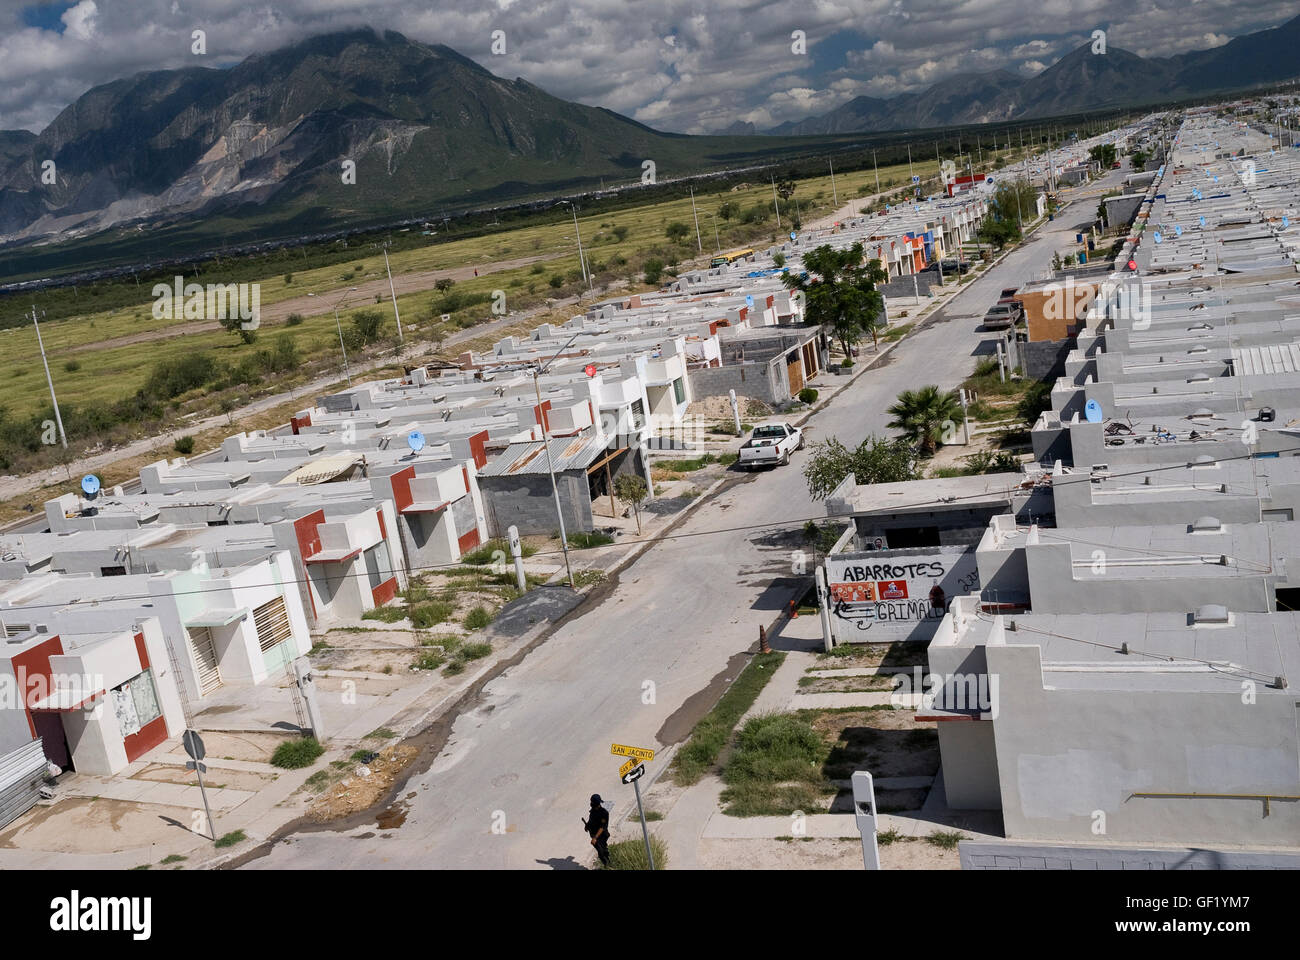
x,y
726,258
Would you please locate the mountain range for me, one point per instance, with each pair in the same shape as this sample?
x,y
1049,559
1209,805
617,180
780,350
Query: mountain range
x,y
1079,81
264,150
427,129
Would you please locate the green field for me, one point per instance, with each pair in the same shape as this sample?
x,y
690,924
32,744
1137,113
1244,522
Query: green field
x,y
94,370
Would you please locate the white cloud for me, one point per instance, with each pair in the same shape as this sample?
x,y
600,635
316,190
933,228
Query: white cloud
x,y
730,60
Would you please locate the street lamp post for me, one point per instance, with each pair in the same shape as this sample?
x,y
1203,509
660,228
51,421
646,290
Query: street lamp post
x,y
538,370
339,326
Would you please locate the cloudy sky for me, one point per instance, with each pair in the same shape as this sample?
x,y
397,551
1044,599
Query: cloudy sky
x,y
673,65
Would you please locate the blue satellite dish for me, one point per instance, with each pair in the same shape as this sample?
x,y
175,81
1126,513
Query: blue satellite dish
x,y
793,235
90,485
1156,236
749,301
415,440
1202,221
1092,411
1286,222
1178,230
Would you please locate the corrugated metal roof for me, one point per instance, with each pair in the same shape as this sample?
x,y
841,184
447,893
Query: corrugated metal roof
x,y
322,469
529,457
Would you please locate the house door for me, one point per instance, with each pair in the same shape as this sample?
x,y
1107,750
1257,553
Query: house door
x,y
794,373
274,634
54,740
205,659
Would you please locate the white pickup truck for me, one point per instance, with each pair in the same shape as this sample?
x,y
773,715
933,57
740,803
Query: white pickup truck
x,y
769,445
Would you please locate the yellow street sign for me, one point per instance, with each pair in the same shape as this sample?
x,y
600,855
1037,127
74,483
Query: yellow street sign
x,y
628,767
640,753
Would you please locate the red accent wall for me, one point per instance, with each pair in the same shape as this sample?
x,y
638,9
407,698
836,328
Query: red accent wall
x,y
401,483
35,662
383,528
304,529
542,411
385,591
296,422
468,541
478,448
142,651
150,735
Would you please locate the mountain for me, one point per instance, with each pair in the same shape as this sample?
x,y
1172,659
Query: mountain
x,y
427,130
1079,81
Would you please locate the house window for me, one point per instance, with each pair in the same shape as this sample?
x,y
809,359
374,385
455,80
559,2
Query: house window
x,y
679,390
135,703
638,414
378,568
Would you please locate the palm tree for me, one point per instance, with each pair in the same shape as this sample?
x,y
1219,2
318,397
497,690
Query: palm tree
x,y
926,415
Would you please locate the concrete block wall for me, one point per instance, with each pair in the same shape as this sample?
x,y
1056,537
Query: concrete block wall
x,y
528,503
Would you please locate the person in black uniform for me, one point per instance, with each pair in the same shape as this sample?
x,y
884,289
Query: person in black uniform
x,y
597,828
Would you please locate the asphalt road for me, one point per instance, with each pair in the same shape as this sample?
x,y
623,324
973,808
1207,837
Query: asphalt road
x,y
514,778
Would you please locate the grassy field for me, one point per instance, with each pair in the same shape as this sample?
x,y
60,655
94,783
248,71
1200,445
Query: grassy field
x,y
102,358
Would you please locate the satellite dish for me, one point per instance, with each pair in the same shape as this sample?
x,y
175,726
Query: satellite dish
x,y
415,440
1178,231
1092,411
793,235
1157,237
90,486
1202,221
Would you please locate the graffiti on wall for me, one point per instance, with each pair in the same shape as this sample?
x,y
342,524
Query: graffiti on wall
x,y
900,596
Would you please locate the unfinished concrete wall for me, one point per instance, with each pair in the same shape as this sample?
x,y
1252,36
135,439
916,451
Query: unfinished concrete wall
x,y
527,502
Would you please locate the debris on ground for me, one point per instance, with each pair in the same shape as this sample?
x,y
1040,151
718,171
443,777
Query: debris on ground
x,y
362,790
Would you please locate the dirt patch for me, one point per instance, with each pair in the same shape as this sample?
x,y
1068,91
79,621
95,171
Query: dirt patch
x,y
257,747
217,778
873,684
900,653
355,793
887,742
821,854
719,409
95,825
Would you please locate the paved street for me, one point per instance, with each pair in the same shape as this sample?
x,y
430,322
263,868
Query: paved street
x,y
537,744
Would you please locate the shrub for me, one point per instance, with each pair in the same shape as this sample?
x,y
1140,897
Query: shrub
x,y
630,854
288,278
477,619
556,281
653,270
72,366
184,445
429,661
384,614
296,754
230,839
537,268
807,395
293,320
474,651
593,539
426,615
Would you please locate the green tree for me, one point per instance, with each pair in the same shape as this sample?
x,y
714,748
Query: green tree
x,y
444,284
631,488
874,460
235,325
621,233
997,233
369,325
1139,159
677,231
654,270
728,209
926,416
778,259
840,292
785,189
1103,153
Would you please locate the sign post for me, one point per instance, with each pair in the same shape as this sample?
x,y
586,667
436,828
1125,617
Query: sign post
x,y
631,772
194,747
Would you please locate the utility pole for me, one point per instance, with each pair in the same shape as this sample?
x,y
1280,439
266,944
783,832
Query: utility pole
x,y
582,259
835,197
875,168
393,294
909,161
776,205
339,325
695,213
58,419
